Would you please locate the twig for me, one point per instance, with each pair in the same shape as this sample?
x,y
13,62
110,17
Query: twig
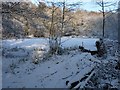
x,y
66,77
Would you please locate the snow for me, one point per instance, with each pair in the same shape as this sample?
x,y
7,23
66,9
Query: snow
x,y
43,43
49,74
20,71
27,43
87,43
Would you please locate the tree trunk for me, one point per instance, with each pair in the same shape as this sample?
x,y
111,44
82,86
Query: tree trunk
x,y
53,37
103,9
119,31
119,24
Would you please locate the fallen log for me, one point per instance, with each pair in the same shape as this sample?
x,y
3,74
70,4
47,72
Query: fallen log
x,y
85,50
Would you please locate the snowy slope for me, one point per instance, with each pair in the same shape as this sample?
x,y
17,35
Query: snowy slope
x,y
49,74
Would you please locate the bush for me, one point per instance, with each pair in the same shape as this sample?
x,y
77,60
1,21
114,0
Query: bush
x,y
38,33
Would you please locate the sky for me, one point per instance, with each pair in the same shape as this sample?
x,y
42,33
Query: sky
x,y
88,5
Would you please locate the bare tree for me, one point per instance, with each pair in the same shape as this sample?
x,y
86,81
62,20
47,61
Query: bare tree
x,y
104,5
55,24
53,38
65,7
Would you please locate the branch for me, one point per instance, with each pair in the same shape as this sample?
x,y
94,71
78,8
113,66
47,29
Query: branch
x,y
99,3
82,84
113,4
106,4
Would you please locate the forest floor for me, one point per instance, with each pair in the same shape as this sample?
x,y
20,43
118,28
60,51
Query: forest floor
x,y
20,71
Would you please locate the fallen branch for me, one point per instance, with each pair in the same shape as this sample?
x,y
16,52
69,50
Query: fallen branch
x,y
76,84
66,77
50,74
82,84
65,41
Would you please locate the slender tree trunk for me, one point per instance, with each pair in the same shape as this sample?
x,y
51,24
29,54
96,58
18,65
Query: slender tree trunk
x,y
119,30
118,63
53,37
119,22
52,21
51,30
103,9
63,17
27,27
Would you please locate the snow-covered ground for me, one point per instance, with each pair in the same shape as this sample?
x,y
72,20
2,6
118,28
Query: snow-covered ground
x,y
49,74
18,69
